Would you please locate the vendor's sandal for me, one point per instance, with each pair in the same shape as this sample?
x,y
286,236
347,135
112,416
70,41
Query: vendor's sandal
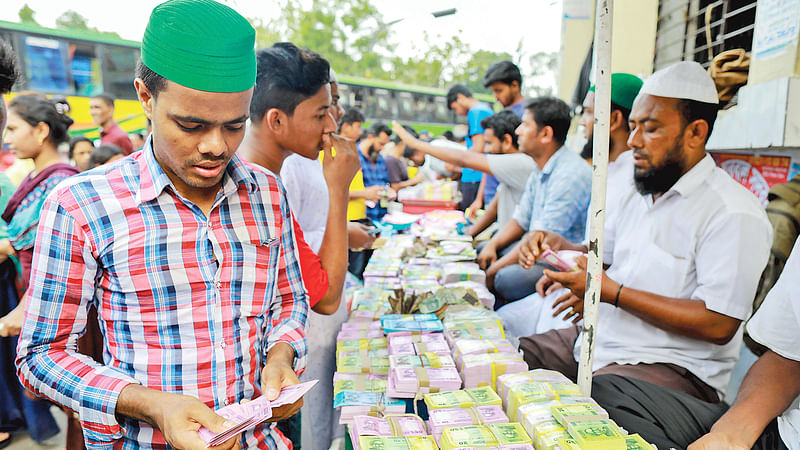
x,y
7,441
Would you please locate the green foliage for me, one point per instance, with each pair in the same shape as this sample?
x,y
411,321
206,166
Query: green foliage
x,y
73,20
27,14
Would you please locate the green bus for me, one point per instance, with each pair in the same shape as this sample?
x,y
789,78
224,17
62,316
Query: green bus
x,y
79,64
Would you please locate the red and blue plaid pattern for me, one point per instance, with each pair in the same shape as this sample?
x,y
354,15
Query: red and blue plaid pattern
x,y
188,304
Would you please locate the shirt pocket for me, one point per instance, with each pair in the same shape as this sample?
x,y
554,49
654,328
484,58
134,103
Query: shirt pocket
x,y
665,273
254,272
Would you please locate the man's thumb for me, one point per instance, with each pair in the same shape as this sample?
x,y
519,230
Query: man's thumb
x,y
212,420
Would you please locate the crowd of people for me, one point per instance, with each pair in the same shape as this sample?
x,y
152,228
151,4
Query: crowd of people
x,y
148,280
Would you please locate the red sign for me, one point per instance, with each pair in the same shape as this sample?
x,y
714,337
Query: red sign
x,y
756,173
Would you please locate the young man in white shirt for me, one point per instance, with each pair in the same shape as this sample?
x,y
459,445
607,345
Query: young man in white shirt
x,y
689,250
535,313
766,413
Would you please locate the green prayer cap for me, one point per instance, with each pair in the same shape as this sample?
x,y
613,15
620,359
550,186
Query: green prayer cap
x,y
624,89
200,44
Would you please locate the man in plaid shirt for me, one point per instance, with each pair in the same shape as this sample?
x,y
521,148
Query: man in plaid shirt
x,y
187,252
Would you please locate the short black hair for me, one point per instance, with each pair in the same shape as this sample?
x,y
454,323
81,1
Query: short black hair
x,y
35,109
77,140
452,94
691,110
106,98
411,131
505,72
503,123
352,115
287,76
376,128
626,114
448,134
103,153
9,71
154,82
551,112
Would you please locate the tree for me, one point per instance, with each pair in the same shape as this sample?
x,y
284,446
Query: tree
x,y
475,68
350,34
542,73
27,14
72,20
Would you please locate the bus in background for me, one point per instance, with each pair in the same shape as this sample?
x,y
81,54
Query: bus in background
x,y
79,64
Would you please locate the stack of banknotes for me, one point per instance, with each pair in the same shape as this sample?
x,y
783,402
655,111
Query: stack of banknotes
x,y
632,442
486,297
506,382
463,347
466,398
376,404
462,271
411,323
390,425
453,251
482,369
360,382
439,419
418,344
504,436
428,372
397,443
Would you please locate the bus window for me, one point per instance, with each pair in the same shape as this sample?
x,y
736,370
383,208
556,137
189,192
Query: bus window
x,y
405,106
421,111
45,68
383,104
358,98
87,78
119,71
370,103
344,96
440,112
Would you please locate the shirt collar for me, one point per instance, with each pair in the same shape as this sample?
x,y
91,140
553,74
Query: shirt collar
x,y
153,180
697,175
551,163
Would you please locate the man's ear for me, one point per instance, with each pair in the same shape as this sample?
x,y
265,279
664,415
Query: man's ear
x,y
546,134
696,133
507,143
275,120
145,97
617,121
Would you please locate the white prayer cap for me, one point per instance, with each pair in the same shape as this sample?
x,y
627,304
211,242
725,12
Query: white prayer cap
x,y
684,80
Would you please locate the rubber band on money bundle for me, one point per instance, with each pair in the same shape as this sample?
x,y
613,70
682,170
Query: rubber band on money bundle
x,y
397,430
433,360
379,410
475,415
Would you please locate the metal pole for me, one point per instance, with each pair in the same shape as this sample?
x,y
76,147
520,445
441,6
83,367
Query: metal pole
x,y
602,114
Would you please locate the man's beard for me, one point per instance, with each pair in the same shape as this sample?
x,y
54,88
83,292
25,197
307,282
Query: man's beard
x,y
658,180
373,154
588,148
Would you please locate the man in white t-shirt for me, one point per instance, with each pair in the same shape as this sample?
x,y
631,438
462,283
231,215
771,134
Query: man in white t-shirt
x,y
766,413
511,167
535,313
690,246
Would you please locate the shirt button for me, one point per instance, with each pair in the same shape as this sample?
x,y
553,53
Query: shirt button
x,y
222,344
226,402
218,284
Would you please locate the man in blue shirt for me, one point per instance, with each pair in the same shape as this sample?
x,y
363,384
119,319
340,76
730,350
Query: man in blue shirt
x,y
461,102
556,198
374,167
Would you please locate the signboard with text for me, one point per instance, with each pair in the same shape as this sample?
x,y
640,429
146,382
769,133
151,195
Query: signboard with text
x,y
758,173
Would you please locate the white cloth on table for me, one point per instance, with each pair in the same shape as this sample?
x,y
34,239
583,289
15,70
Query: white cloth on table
x,y
776,325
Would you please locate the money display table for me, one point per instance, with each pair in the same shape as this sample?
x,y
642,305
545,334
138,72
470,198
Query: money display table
x,y
423,362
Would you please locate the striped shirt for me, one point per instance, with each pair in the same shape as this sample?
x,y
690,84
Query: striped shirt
x,y
188,303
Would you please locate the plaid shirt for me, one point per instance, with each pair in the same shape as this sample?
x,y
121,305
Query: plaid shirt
x,y
374,174
188,304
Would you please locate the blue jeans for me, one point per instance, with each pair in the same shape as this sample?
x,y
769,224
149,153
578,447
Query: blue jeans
x,y
512,282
